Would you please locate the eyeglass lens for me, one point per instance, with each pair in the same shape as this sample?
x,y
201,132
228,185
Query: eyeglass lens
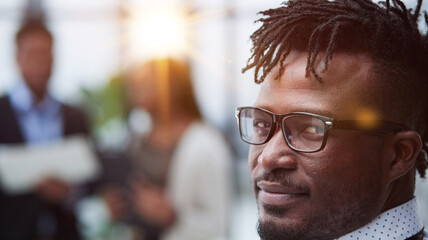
x,y
302,132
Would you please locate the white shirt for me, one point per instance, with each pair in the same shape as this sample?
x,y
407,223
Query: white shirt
x,y
397,223
200,185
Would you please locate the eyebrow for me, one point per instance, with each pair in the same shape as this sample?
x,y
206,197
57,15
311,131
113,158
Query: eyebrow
x,y
308,110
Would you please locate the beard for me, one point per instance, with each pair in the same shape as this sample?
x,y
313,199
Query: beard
x,y
271,231
330,225
340,215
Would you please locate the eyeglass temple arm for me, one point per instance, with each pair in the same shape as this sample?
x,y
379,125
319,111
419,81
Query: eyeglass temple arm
x,y
377,127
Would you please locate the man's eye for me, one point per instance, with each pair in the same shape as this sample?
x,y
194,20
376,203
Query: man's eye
x,y
261,124
312,130
312,133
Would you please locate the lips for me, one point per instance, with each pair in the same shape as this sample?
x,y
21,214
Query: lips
x,y
275,194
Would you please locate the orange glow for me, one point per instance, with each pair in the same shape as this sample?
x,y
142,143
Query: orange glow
x,y
367,118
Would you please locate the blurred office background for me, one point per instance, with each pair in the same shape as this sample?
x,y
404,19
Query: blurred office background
x,y
98,40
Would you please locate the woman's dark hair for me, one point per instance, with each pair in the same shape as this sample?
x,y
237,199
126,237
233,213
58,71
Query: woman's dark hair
x,y
176,75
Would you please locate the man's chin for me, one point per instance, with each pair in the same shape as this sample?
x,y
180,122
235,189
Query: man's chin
x,y
282,223
281,215
275,230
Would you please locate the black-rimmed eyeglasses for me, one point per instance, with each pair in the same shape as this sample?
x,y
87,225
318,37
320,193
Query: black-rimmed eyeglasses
x,y
303,132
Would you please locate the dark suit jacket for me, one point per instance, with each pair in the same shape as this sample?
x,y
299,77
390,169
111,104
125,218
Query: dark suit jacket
x,y
19,214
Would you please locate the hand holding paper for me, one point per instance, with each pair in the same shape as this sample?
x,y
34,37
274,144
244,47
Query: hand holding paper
x,y
22,167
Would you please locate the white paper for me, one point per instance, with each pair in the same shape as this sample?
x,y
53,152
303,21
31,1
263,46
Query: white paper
x,y
70,159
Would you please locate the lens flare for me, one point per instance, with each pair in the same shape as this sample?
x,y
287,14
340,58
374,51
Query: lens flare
x,y
156,32
368,118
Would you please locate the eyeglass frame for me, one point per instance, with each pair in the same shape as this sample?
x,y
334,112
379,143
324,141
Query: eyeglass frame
x,y
382,128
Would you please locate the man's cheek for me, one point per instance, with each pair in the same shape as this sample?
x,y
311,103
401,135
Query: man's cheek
x,y
253,155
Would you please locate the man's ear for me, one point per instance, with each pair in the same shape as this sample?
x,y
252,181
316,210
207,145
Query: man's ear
x,y
405,147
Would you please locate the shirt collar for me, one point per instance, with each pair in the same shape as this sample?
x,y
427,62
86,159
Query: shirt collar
x,y
22,101
398,223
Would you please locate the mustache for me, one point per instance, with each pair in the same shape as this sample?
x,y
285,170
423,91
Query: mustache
x,y
281,179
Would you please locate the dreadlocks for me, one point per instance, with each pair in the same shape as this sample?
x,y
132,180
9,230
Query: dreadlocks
x,y
387,32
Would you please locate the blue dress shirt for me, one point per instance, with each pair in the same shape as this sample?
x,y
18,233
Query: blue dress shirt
x,y
39,122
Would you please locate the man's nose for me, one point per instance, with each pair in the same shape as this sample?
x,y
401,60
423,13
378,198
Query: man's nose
x,y
277,154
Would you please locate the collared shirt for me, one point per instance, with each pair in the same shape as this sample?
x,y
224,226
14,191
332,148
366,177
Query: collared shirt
x,y
39,122
398,223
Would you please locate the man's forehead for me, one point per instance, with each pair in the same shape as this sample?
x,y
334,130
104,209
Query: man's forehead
x,y
343,84
342,66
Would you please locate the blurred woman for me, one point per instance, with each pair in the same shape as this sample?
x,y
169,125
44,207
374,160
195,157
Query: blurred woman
x,y
181,178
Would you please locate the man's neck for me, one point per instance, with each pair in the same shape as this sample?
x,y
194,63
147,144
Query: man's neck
x,y
401,190
38,96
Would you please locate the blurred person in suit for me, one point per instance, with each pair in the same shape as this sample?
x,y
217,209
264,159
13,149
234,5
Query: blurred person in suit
x,y
30,115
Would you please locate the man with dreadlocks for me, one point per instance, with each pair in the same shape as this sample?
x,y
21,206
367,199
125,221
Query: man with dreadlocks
x,y
338,130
